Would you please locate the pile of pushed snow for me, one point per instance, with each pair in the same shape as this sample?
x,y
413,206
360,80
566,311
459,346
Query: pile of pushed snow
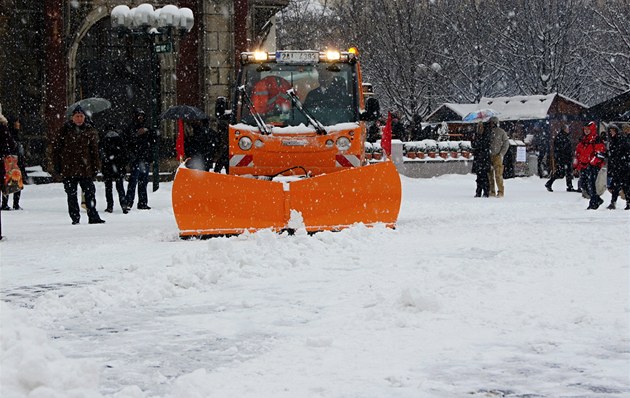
x,y
32,367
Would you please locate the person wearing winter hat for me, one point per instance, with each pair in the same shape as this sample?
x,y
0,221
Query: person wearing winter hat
x,y
499,145
589,159
618,165
75,156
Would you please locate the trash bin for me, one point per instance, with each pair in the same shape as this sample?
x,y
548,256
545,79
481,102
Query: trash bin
x,y
515,160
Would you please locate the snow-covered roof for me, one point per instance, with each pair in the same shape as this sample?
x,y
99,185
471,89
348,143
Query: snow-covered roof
x,y
526,107
461,109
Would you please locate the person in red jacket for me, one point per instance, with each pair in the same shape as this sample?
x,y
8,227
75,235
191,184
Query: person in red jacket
x,y
589,159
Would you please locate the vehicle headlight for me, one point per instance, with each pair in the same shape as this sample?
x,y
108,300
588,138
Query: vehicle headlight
x,y
245,143
259,144
333,55
343,143
329,143
260,56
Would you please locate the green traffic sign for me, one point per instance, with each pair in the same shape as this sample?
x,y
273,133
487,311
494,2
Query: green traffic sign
x,y
163,48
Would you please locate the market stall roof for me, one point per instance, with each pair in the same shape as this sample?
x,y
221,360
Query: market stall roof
x,y
529,107
613,109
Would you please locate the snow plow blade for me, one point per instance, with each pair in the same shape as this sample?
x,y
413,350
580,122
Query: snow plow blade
x,y
211,204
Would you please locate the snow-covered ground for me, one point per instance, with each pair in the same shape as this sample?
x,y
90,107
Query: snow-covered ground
x,y
525,296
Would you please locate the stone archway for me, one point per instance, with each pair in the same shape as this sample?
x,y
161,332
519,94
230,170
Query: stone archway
x,y
120,69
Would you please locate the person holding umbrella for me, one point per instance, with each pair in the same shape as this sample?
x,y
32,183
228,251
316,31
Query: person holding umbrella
x,y
75,156
481,162
139,141
198,145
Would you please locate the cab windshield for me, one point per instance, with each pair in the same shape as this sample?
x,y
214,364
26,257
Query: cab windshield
x,y
328,91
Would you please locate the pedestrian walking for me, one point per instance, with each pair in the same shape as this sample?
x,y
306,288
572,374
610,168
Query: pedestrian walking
x,y
139,139
7,147
499,145
618,165
541,145
75,158
481,162
14,127
114,161
589,159
563,157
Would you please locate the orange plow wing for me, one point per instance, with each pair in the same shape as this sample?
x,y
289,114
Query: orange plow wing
x,y
207,204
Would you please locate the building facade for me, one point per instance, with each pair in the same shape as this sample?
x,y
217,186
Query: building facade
x,y
56,52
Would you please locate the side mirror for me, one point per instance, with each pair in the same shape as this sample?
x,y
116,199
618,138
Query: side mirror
x,y
220,108
372,110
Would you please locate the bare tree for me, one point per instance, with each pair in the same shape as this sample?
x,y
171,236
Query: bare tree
x,y
467,50
420,53
610,44
542,46
307,24
396,39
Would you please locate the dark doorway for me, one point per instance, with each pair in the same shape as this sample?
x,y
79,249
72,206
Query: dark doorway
x,y
119,69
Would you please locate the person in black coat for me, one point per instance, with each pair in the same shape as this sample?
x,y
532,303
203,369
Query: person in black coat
x,y
114,162
541,145
618,165
221,146
374,132
398,128
7,147
481,161
139,139
198,145
415,130
563,156
14,127
330,103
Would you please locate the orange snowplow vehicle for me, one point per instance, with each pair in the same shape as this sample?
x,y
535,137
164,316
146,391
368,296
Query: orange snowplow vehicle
x,y
297,131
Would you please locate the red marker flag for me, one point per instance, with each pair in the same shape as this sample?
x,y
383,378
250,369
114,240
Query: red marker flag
x,y
386,139
179,144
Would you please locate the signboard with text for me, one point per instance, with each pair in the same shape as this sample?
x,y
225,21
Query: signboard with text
x,y
163,48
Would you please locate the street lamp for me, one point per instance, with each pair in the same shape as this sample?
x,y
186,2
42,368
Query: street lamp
x,y
158,26
145,18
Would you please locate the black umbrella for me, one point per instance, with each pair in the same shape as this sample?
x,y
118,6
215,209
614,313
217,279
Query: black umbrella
x,y
184,112
91,105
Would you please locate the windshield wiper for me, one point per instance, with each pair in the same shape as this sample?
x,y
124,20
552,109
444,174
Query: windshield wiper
x,y
311,119
250,105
